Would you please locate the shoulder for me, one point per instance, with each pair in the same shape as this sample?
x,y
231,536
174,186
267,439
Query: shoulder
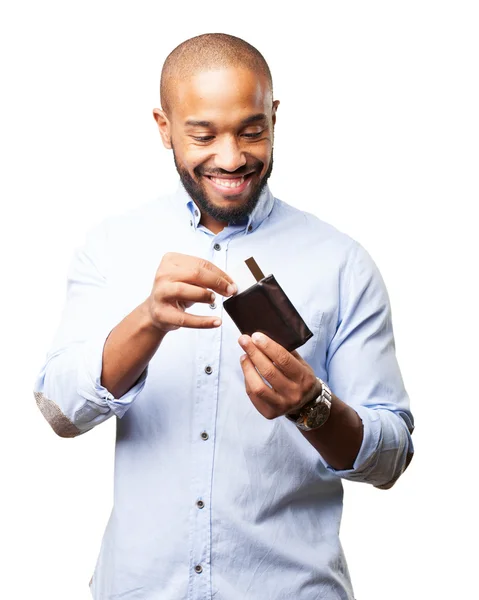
x,y
310,229
129,229
133,224
321,241
153,213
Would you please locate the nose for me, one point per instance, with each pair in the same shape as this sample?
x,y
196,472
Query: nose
x,y
229,155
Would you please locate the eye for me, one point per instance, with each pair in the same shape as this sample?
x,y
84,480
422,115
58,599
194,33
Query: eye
x,y
252,135
205,138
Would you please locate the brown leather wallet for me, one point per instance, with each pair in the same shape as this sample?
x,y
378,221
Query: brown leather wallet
x,y
266,308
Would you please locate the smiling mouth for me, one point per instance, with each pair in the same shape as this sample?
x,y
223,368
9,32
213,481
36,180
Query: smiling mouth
x,y
230,183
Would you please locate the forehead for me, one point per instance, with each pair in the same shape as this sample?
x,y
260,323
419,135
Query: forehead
x,y
221,95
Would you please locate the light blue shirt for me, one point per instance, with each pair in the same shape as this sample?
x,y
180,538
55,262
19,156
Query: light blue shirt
x,y
212,500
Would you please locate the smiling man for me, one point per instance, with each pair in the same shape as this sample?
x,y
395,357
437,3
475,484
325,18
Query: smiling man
x,y
218,119
230,450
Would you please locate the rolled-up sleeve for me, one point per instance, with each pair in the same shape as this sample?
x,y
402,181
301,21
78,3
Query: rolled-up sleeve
x,y
68,388
363,371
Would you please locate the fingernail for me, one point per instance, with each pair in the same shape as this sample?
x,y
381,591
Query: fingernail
x,y
243,340
243,358
258,337
231,289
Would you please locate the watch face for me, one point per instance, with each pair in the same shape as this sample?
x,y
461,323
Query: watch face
x,y
318,415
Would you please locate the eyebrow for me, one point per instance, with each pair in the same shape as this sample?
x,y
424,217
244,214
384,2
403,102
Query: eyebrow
x,y
208,124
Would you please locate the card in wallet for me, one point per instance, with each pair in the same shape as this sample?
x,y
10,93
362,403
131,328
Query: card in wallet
x,y
266,308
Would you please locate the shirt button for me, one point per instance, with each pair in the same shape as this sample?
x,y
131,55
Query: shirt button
x,y
196,213
200,504
204,435
208,370
191,223
213,305
250,227
199,569
217,247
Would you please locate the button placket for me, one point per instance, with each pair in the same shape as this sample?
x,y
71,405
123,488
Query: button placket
x,y
204,424
205,410
218,257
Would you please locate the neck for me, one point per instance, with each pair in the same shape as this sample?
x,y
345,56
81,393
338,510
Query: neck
x,y
212,224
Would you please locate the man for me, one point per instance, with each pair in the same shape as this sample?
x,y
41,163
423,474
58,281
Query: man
x,y
230,450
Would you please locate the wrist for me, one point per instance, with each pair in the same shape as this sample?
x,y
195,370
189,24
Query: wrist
x,y
313,413
147,322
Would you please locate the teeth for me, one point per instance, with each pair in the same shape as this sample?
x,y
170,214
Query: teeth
x,y
228,183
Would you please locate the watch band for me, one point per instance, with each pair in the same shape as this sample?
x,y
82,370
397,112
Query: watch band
x,y
315,412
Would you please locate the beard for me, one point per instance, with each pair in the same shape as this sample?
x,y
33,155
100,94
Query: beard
x,y
231,215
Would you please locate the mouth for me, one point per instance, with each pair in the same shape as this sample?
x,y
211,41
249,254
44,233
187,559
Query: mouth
x,y
230,186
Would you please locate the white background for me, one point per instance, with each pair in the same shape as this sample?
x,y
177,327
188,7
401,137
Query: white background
x,y
377,133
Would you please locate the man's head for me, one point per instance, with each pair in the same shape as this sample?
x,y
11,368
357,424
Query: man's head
x,y
218,117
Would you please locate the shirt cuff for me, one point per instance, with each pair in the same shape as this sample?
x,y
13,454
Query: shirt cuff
x,y
89,381
367,452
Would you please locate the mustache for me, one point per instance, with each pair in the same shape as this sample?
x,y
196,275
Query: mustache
x,y
239,172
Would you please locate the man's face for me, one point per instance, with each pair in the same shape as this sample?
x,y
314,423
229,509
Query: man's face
x,y
220,128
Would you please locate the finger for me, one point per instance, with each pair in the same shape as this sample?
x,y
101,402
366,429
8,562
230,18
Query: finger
x,y
205,278
266,400
180,318
187,293
202,272
266,368
285,361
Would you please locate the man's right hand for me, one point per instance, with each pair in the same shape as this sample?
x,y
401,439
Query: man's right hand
x,y
180,282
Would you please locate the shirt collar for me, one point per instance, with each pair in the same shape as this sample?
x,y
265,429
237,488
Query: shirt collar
x,y
261,211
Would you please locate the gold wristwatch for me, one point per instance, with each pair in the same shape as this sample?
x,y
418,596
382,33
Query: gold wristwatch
x,y
315,412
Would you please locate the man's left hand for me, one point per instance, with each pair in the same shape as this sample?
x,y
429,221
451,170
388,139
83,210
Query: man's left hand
x,y
292,380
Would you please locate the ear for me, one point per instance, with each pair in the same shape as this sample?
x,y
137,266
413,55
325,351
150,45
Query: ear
x,y
275,108
164,127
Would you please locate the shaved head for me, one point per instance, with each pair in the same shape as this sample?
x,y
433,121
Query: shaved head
x,y
208,52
